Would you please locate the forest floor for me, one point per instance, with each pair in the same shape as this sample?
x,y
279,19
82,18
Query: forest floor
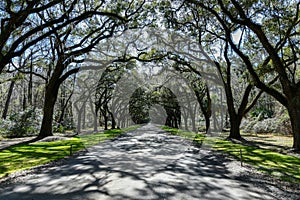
x,y
146,164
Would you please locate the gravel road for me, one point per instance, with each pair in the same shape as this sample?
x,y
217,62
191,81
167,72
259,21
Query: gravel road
x,y
144,164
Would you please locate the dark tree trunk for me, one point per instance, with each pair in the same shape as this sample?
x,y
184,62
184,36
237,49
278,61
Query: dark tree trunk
x,y
294,113
30,85
113,121
49,103
234,119
24,103
105,122
235,122
207,123
11,88
205,106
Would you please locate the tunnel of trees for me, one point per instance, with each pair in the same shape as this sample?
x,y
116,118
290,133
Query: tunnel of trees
x,y
142,100
49,49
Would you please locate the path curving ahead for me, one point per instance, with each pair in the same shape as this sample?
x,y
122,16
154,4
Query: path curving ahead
x,y
145,164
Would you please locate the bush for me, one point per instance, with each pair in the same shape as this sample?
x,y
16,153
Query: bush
x,y
262,113
270,125
285,122
247,125
280,124
25,123
59,128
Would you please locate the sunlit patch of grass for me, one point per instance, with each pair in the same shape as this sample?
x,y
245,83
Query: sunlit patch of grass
x,y
275,139
183,133
25,156
284,167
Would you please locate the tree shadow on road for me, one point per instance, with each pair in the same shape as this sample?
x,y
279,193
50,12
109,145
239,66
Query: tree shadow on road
x,y
139,168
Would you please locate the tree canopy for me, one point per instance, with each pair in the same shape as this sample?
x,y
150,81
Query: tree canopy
x,y
227,52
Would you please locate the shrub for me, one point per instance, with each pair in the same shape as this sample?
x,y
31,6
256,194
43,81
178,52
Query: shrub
x,y
59,128
285,122
270,125
280,124
25,123
261,113
247,125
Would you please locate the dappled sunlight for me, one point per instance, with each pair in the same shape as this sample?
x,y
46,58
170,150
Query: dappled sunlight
x,y
144,164
30,154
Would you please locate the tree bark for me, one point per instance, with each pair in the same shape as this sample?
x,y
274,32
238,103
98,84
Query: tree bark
x,y
235,122
294,113
113,121
11,88
205,107
84,116
30,84
49,103
79,115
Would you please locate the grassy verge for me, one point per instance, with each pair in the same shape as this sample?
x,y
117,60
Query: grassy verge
x,y
284,167
25,156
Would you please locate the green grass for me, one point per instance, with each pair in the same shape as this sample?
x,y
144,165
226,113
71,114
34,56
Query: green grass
x,y
25,156
284,167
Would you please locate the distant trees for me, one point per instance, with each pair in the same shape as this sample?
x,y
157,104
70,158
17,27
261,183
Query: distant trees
x,y
143,99
104,92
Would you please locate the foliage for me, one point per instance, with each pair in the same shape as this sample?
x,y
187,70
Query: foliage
x,y
262,113
139,106
25,156
59,128
279,123
25,123
269,125
142,100
284,167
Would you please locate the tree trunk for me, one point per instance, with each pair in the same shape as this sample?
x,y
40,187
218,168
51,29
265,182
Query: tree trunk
x,y
186,123
95,117
235,122
79,115
78,127
11,88
294,113
84,116
105,122
193,117
113,121
30,85
49,103
207,123
24,103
